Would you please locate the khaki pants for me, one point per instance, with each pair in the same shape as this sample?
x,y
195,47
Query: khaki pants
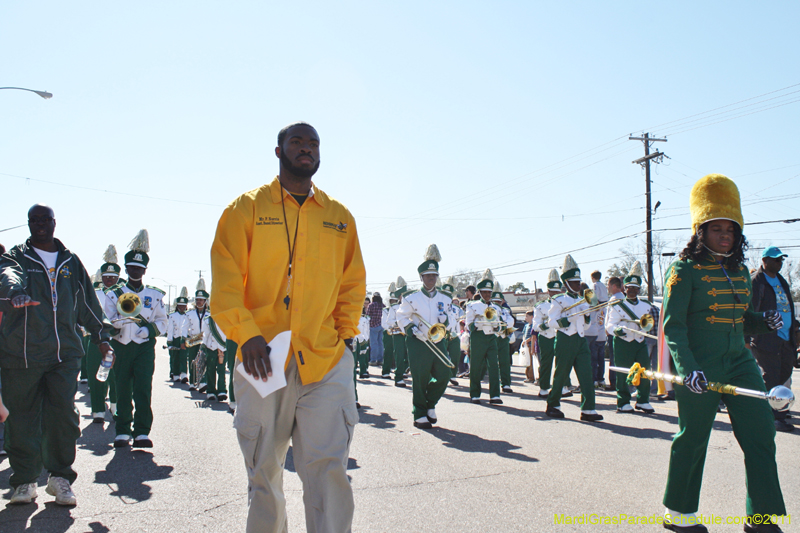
x,y
319,418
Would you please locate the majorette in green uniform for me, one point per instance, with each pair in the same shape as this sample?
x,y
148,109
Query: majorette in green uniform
x,y
388,318
706,315
400,353
453,330
483,342
419,312
571,348
547,335
107,277
504,342
629,346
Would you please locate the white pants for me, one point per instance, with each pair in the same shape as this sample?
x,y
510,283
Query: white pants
x,y
319,418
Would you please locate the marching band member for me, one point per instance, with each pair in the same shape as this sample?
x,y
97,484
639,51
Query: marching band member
x,y
629,347
571,349
547,335
176,338
483,343
706,315
453,330
388,324
98,390
400,352
134,345
419,311
504,342
214,344
362,345
194,333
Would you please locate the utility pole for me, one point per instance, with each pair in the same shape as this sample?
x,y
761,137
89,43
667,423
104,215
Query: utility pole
x,y
656,157
200,273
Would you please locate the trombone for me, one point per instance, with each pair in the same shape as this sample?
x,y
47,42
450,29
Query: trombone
x,y
588,296
128,306
640,332
646,322
436,333
591,309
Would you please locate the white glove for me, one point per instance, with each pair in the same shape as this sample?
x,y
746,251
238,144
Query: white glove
x,y
418,333
142,333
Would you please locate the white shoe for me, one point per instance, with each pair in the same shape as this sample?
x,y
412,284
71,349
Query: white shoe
x,y
24,493
176,378
565,390
680,520
544,393
211,397
222,396
625,408
113,408
202,387
646,408
184,378
122,441
192,387
232,407
432,416
84,380
422,423
59,487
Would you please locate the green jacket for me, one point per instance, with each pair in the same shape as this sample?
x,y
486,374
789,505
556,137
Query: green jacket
x,y
698,299
46,333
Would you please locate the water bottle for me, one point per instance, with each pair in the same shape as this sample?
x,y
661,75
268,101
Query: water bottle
x,y
105,366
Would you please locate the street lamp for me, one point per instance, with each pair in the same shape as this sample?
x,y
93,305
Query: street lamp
x,y
44,94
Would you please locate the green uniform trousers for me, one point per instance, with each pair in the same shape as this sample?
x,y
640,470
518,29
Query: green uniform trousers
x,y
724,359
454,351
400,357
362,358
99,390
547,351
230,357
429,375
625,354
134,368
177,360
572,351
483,353
43,425
504,360
215,373
388,353
191,355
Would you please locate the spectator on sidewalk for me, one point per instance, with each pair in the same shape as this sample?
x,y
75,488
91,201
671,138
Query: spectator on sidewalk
x,y
375,313
776,351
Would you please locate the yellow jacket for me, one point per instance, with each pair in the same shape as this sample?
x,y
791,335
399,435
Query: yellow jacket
x,y
250,262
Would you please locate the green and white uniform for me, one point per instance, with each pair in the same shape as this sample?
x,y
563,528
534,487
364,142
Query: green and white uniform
x,y
482,348
629,347
134,345
429,374
547,344
213,343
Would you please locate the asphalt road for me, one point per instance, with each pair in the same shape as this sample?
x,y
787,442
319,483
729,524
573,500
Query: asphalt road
x,y
485,468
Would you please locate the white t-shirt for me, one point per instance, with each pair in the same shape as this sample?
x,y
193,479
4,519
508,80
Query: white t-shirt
x,y
49,259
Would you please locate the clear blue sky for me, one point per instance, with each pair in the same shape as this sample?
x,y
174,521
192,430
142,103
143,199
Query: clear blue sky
x,y
467,124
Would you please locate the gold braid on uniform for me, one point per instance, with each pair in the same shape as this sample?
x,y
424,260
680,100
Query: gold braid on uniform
x,y
671,281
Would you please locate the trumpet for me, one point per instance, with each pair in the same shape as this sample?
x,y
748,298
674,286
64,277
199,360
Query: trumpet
x,y
588,295
436,333
128,306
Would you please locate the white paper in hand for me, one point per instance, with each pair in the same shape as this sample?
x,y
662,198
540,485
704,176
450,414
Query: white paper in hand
x,y
279,351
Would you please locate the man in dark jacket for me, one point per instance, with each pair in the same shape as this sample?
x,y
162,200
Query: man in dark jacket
x,y
45,293
776,351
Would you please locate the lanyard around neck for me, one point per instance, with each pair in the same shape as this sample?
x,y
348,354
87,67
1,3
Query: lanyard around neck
x,y
292,244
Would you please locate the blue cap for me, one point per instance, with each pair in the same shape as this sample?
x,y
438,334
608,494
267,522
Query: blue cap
x,y
773,252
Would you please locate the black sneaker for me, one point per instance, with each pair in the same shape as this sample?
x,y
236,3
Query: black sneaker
x,y
496,401
591,417
554,412
783,426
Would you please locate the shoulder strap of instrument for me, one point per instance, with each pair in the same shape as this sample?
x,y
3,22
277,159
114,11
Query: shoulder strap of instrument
x,y
627,310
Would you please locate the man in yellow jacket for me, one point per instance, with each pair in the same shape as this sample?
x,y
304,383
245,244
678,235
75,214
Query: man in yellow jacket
x,y
286,257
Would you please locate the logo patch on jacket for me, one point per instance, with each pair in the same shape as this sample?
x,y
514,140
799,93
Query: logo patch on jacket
x,y
148,302
65,271
341,227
